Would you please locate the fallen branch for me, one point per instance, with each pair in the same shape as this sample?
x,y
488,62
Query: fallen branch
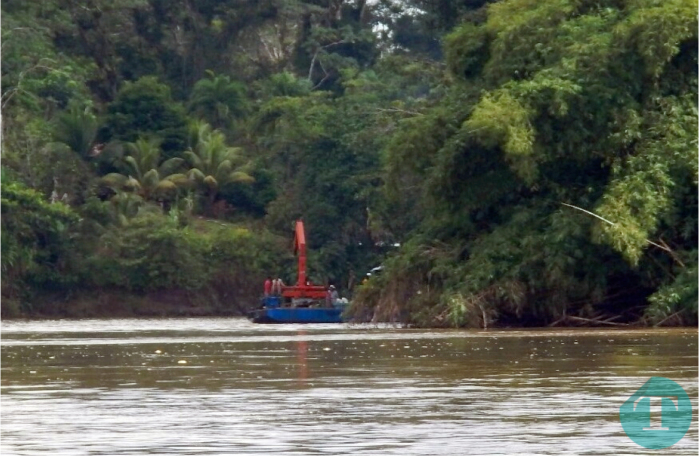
x,y
667,318
560,320
597,321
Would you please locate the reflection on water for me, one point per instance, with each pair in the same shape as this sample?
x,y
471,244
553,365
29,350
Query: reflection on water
x,y
214,386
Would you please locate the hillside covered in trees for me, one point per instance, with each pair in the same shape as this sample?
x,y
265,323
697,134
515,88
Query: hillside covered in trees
x,y
513,162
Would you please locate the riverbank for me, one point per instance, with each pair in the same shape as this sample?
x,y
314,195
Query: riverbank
x,y
121,304
210,303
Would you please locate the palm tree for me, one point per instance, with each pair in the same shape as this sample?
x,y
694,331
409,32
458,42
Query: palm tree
x,y
123,207
77,129
143,173
214,164
218,99
285,84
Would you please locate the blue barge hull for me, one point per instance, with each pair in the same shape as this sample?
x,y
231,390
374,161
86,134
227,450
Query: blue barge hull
x,y
272,312
298,315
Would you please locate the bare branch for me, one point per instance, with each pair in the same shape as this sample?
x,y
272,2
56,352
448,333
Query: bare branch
x,y
313,63
320,62
413,113
327,75
670,251
315,57
7,96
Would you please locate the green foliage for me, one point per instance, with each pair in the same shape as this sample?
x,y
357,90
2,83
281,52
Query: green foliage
x,y
143,172
332,40
576,107
676,302
218,100
325,154
117,211
213,163
501,120
466,50
283,85
150,253
143,108
246,257
36,237
656,30
251,198
544,173
36,77
153,252
643,188
77,128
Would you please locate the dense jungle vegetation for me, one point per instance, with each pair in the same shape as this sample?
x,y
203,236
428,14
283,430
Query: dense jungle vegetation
x,y
513,162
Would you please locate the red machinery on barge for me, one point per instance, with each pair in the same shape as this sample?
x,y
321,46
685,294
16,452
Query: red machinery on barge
x,y
302,302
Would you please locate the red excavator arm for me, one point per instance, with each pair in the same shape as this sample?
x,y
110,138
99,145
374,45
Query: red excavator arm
x,y
300,250
301,290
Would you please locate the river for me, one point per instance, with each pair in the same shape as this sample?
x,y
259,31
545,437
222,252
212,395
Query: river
x,y
224,386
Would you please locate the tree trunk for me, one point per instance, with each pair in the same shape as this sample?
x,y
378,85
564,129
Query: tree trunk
x,y
212,200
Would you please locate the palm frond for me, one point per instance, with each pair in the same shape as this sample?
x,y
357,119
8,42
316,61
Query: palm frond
x,y
170,166
166,186
115,181
195,175
224,168
132,184
132,166
78,130
151,179
241,177
211,182
193,159
181,180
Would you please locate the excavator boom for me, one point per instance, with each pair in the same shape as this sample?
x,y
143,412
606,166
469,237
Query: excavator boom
x,y
301,289
300,251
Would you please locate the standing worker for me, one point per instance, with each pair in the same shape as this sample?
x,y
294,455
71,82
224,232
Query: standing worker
x,y
334,295
268,286
277,285
328,297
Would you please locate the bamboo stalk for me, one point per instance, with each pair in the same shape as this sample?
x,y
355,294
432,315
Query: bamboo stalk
x,y
664,247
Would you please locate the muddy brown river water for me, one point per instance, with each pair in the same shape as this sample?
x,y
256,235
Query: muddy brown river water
x,y
224,386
